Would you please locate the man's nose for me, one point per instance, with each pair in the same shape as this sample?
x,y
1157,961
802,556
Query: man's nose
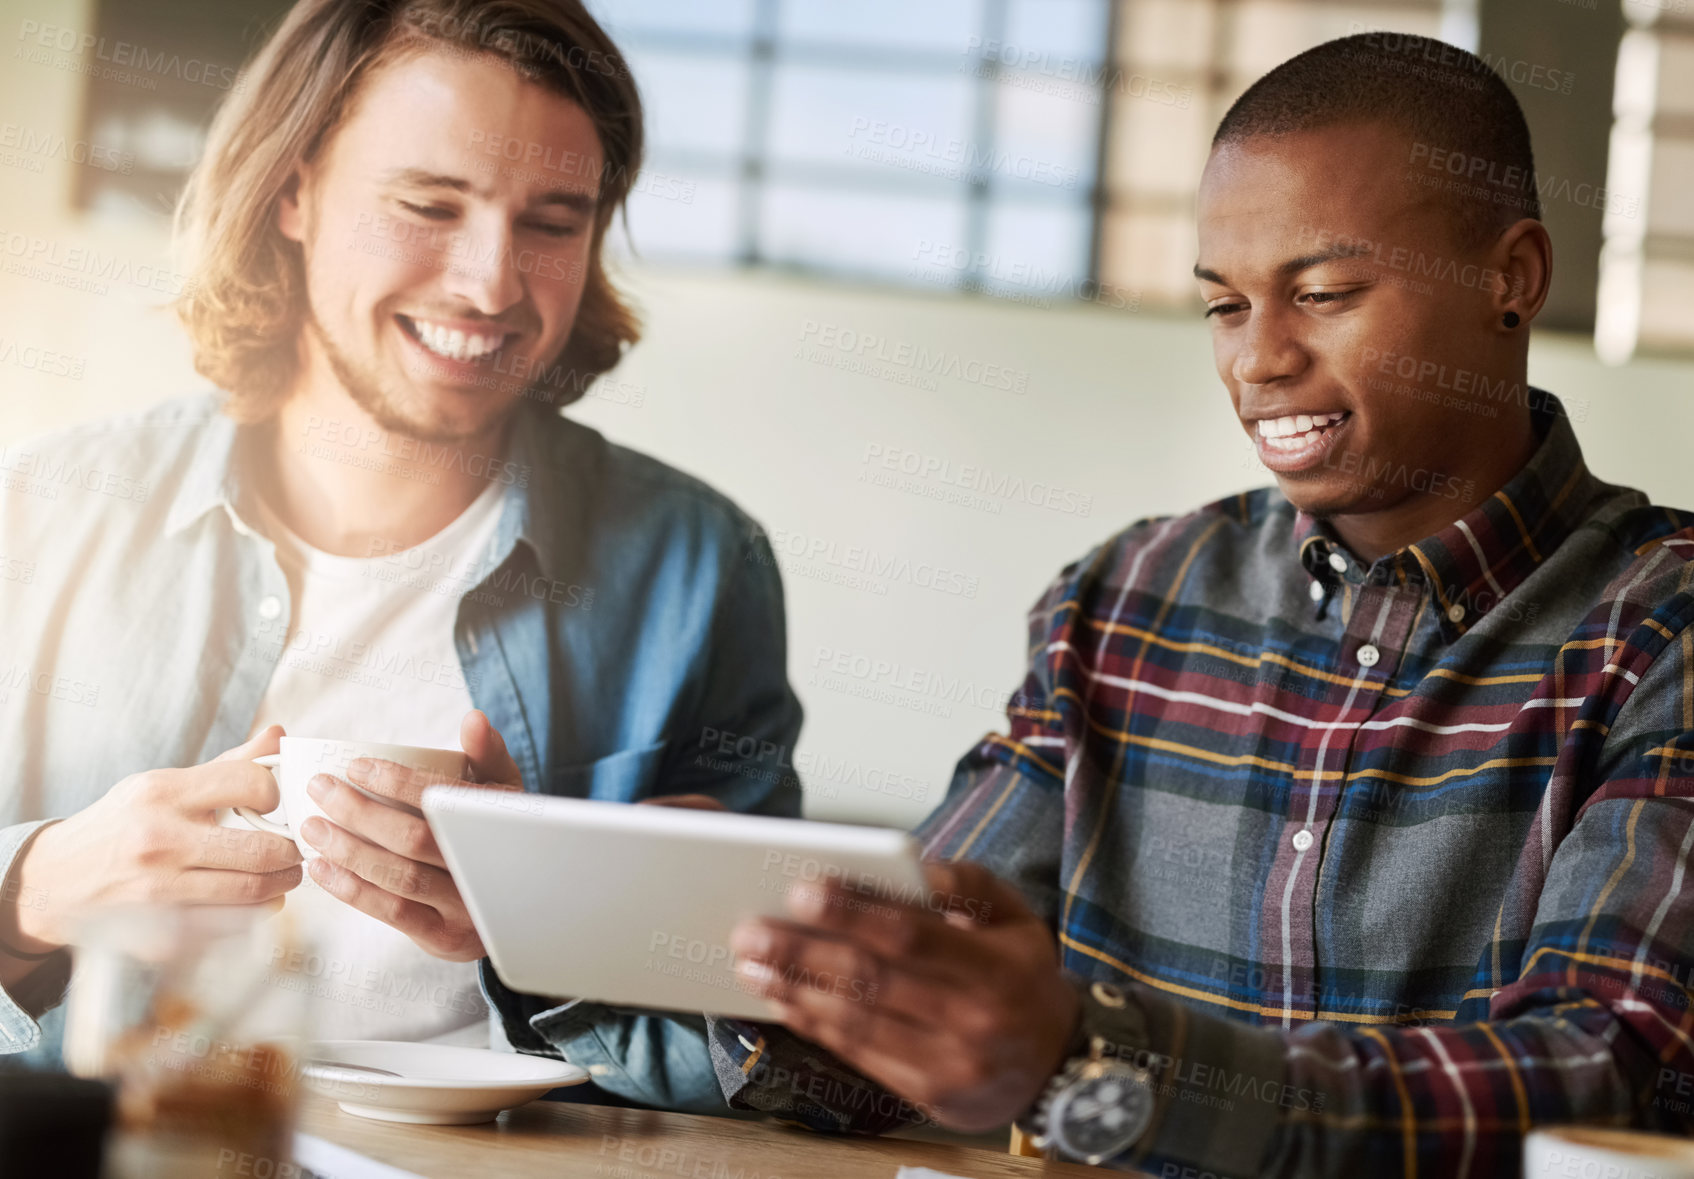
x,y
1268,352
487,276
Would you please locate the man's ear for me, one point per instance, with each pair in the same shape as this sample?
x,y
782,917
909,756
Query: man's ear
x,y
290,210
1526,270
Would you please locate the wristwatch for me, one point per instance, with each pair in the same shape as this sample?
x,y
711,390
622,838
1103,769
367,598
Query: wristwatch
x,y
1096,1108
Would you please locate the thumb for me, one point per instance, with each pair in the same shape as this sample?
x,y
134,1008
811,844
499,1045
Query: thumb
x,y
967,894
482,743
268,740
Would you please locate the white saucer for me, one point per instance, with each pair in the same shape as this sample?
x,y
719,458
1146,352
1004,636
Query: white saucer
x,y
438,1085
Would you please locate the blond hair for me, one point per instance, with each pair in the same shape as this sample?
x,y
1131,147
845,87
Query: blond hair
x,y
245,302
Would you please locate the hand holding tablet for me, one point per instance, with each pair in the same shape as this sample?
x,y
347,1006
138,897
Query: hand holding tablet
x,y
634,905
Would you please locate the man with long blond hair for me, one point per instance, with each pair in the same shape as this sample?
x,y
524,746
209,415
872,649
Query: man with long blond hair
x,y
380,528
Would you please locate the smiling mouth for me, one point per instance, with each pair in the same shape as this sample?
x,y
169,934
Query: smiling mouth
x,y
452,343
1296,432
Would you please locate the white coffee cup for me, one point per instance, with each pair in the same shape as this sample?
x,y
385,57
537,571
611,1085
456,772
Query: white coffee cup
x,y
303,758
1555,1152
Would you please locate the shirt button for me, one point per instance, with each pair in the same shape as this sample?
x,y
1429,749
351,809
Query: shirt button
x,y
1455,613
1302,840
1368,655
270,607
1107,995
1337,562
1317,591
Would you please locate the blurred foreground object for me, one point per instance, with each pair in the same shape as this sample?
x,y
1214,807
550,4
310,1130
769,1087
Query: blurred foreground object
x,y
52,1124
194,1013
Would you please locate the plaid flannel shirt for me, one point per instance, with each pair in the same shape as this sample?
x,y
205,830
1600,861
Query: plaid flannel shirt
x,y
1392,858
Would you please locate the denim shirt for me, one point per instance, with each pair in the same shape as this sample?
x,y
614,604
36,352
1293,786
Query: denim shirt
x,y
626,615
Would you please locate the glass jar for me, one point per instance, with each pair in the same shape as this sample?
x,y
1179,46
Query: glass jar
x,y
198,1015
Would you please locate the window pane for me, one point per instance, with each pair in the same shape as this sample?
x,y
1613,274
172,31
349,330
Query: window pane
x,y
695,105
1048,143
711,17
1150,252
1035,254
1669,210
865,234
1676,75
684,215
887,126
1057,29
1158,148
1269,32
1667,289
942,26
1167,34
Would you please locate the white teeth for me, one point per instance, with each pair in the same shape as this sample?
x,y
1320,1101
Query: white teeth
x,y
1296,430
454,344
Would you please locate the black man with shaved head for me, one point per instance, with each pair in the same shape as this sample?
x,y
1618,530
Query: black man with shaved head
x,y
1341,826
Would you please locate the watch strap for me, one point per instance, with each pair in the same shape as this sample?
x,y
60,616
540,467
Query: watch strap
x,y
1107,1013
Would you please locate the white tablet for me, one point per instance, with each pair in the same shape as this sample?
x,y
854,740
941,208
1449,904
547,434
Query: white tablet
x,y
633,905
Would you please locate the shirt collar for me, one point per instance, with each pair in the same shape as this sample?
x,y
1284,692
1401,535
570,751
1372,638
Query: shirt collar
x,y
1482,556
213,477
548,461
545,463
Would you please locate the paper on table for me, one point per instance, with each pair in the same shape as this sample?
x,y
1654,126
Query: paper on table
x,y
924,1173
318,1158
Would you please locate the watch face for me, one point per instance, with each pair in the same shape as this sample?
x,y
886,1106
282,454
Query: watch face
x,y
1100,1116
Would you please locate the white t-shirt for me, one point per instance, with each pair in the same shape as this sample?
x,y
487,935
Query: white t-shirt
x,y
369,656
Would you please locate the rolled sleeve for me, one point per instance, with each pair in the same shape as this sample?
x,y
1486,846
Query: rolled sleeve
x,y
654,1058
43,988
767,1069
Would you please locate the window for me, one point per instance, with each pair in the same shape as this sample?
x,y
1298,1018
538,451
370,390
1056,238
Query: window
x,y
1647,261
948,144
1035,150
1177,65
156,72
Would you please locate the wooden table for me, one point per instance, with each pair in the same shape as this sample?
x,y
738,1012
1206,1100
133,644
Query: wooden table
x,y
549,1138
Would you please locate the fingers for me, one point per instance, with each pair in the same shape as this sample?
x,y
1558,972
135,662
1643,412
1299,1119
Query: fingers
x,y
380,867
817,972
216,886
241,849
442,932
225,782
887,1023
919,939
482,743
392,780
259,744
412,918
690,802
969,894
406,835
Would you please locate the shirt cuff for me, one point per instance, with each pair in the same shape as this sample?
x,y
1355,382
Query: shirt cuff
x,y
516,1009
44,987
656,1058
768,1069
1220,1086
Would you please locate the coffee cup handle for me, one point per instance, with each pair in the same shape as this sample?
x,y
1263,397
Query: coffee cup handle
x,y
252,817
